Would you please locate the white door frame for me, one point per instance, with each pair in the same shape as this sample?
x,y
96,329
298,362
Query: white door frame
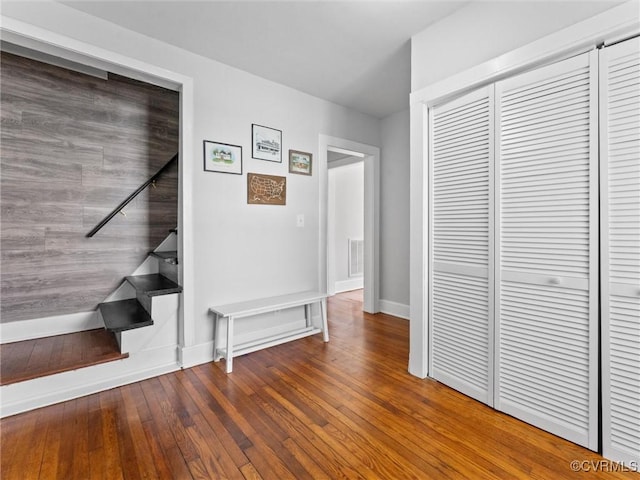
x,y
371,218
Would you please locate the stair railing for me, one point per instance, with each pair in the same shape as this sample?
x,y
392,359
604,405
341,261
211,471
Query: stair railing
x,y
125,202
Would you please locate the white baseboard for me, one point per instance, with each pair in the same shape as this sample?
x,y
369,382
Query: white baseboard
x,y
348,285
393,308
48,326
40,392
196,354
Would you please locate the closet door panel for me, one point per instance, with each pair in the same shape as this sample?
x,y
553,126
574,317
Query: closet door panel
x,y
461,249
620,225
546,293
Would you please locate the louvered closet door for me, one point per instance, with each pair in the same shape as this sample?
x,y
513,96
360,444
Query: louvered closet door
x,y
620,213
461,249
546,302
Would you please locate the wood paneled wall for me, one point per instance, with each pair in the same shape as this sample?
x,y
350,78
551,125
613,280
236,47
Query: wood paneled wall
x,y
73,147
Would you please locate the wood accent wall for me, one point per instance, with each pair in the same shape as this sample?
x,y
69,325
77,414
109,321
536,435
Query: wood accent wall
x,y
73,147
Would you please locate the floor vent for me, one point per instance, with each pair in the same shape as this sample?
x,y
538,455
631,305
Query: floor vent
x,y
356,257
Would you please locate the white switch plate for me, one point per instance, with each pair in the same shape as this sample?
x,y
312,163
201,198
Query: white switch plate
x,y
300,220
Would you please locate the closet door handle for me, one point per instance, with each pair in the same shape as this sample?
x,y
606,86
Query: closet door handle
x,y
554,281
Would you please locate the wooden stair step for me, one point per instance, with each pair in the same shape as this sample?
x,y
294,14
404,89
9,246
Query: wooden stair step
x,y
40,357
169,256
124,315
153,285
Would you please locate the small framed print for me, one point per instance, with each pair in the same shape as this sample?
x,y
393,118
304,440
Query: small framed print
x,y
266,143
300,162
222,157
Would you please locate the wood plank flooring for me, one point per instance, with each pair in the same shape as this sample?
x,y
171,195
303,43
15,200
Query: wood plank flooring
x,y
20,361
303,410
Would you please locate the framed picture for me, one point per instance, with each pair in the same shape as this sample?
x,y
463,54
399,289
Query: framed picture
x,y
222,157
300,162
266,143
266,189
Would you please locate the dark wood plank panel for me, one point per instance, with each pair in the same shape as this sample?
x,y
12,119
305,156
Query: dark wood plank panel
x,y
30,194
305,409
35,170
100,195
123,238
23,149
152,214
52,127
117,155
22,239
56,127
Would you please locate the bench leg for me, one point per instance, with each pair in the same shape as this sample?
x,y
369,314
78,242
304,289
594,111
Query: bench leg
x,y
229,359
307,315
216,338
325,324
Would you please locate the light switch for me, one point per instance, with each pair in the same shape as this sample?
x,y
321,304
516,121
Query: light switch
x,y
300,220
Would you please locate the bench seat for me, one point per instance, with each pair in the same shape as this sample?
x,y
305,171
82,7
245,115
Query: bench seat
x,y
233,311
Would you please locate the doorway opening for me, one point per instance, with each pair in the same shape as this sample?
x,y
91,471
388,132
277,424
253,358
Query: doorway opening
x,y
345,236
357,253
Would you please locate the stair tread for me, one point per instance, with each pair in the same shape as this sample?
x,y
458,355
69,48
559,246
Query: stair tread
x,y
70,351
153,284
124,315
169,256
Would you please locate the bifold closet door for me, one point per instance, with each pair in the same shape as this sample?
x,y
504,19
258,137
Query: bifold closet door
x,y
460,247
547,277
620,226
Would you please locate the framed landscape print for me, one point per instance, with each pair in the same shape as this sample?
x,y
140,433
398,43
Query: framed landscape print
x,y
300,162
266,189
222,157
266,143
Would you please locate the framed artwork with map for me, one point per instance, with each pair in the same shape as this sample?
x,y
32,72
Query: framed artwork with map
x,y
266,189
222,157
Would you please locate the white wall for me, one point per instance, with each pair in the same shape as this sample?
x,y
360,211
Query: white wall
x,y
484,30
394,214
346,196
240,251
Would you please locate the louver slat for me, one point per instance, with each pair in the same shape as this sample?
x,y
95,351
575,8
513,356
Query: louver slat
x,y
620,224
546,369
461,250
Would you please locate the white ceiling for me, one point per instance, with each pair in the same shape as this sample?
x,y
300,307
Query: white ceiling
x,y
355,53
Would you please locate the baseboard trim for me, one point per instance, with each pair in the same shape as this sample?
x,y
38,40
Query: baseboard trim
x,y
41,392
396,309
348,285
48,326
196,354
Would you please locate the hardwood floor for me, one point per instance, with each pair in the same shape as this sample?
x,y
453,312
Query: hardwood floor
x,y
21,361
305,409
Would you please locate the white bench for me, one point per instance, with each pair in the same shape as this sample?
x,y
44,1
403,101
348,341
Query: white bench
x,y
233,311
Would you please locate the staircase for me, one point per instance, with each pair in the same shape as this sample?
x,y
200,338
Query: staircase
x,y
21,361
122,316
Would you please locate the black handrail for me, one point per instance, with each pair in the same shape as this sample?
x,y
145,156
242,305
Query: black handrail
x,y
115,211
